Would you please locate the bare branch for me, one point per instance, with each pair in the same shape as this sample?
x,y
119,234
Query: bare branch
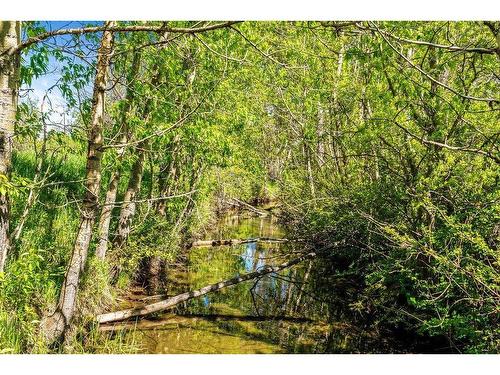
x,y
119,28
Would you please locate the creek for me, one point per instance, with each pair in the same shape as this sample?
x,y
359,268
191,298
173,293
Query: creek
x,y
276,313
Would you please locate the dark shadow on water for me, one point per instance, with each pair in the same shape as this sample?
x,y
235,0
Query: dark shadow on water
x,y
249,318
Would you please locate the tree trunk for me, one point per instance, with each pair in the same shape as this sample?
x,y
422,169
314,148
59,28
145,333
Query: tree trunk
x,y
127,211
166,176
10,34
320,148
55,326
155,274
302,287
188,207
107,209
128,206
494,27
173,301
310,172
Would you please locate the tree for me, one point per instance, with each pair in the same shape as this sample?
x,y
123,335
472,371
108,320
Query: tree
x,y
10,34
55,325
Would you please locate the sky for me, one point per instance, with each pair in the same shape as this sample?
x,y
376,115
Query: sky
x,y
42,91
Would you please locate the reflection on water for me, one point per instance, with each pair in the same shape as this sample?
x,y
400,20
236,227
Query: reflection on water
x,y
273,314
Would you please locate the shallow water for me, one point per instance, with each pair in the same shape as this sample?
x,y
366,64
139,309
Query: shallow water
x,y
307,308
274,314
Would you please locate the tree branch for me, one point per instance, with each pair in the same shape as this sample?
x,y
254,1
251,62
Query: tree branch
x,y
488,100
480,50
444,145
119,28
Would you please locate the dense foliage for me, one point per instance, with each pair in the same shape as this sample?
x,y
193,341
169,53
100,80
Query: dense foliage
x,y
378,139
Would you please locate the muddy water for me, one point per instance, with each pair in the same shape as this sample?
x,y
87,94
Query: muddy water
x,y
275,314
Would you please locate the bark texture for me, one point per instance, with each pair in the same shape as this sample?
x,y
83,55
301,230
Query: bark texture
x,y
10,32
127,211
167,177
55,325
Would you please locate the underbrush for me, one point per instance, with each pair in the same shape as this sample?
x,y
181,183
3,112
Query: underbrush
x,y
422,265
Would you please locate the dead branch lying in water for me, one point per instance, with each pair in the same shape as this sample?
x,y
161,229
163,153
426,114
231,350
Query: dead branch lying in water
x,y
237,241
173,301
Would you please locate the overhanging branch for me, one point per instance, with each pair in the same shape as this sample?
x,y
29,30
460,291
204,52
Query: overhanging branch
x,y
119,28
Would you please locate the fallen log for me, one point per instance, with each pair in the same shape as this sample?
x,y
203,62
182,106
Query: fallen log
x,y
229,242
173,301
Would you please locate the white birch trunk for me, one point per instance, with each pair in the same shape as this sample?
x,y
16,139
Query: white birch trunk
x,y
55,326
10,32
